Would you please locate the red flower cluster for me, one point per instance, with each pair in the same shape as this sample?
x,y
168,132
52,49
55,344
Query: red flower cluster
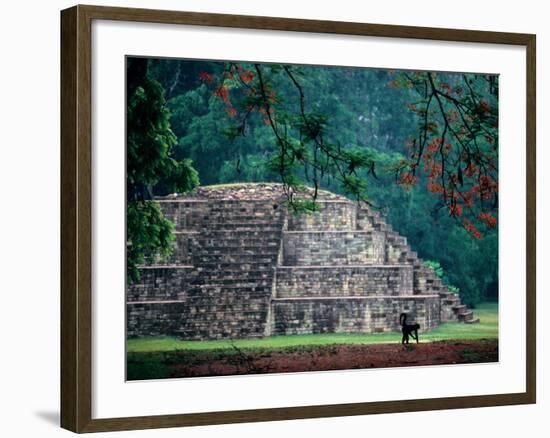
x,y
489,220
487,186
468,199
452,115
434,187
232,112
408,180
432,149
246,76
206,77
431,127
263,111
433,169
471,170
222,92
455,210
472,229
484,106
445,86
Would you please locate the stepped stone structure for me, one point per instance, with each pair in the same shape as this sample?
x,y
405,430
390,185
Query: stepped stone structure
x,y
244,266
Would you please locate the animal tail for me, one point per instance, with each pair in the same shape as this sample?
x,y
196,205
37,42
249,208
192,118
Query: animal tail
x,y
402,318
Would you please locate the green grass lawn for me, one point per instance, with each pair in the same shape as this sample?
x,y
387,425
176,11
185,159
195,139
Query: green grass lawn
x,y
487,328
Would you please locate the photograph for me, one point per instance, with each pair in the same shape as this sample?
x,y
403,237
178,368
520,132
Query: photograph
x,y
270,219
285,218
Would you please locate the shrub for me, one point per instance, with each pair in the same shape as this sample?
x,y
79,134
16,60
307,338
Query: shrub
x,y
438,269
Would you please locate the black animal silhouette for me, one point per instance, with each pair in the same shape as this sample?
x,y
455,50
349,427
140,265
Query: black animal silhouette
x,y
408,329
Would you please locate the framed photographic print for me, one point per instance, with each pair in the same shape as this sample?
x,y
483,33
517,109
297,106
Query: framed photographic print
x,y
268,218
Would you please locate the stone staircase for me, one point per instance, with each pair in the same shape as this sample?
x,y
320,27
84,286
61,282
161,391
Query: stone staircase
x,y
425,279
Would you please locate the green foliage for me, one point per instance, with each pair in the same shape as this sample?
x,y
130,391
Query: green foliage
x,y
149,234
438,269
149,135
151,167
453,289
303,206
436,266
151,140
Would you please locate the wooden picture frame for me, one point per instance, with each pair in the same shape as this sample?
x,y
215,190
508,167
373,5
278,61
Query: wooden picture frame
x,y
76,218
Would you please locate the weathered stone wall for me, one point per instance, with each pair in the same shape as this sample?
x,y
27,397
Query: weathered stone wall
x,y
333,248
332,216
343,281
196,318
230,250
160,283
186,215
344,315
154,318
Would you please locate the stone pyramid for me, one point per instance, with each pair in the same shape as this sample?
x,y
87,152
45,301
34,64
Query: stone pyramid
x,y
244,266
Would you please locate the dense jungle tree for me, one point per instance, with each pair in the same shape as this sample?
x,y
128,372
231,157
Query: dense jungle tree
x,y
150,141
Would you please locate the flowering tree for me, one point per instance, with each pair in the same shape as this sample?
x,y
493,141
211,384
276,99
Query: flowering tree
x,y
456,146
